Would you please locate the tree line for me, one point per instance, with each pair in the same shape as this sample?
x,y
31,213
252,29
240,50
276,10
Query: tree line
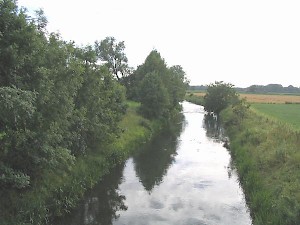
x,y
259,89
59,101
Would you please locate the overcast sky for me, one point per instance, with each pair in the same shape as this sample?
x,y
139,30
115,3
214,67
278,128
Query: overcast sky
x,y
235,41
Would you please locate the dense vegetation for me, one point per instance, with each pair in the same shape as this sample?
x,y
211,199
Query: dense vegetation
x,y
55,101
61,113
219,96
158,87
266,154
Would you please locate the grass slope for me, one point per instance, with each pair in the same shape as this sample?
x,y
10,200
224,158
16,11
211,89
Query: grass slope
x,y
266,154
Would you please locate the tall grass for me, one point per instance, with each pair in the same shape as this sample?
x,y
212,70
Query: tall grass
x,y
267,156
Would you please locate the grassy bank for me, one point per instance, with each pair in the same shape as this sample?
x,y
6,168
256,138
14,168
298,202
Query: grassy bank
x,y
194,98
266,154
56,193
265,150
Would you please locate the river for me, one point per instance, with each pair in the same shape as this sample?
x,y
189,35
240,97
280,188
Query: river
x,y
183,177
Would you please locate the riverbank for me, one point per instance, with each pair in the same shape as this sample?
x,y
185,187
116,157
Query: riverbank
x,y
266,154
57,193
181,176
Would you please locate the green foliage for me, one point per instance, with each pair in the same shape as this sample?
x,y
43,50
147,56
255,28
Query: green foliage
x,y
60,110
219,96
11,178
17,107
112,52
56,102
57,193
154,96
178,84
157,87
153,63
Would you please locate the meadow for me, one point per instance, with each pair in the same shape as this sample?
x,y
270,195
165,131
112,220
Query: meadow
x,y
288,113
282,108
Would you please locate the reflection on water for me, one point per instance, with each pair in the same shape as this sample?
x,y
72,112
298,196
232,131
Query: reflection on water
x,y
213,128
152,162
182,177
102,204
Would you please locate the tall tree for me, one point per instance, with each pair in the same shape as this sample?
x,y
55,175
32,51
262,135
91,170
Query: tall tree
x,y
112,53
157,87
153,63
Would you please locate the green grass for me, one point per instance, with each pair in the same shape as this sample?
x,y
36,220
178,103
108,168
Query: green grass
x,y
288,113
190,97
266,154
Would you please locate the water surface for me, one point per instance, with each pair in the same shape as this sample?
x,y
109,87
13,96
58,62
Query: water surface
x,y
181,177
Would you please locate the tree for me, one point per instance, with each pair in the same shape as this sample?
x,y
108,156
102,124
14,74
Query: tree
x,y
158,87
219,96
55,100
112,53
153,63
153,96
178,84
17,109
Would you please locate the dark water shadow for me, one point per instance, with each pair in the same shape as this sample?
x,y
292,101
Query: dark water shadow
x,y
152,161
101,204
214,129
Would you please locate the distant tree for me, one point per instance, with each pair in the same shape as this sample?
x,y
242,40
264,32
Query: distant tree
x,y
112,53
153,63
178,84
154,96
158,87
219,95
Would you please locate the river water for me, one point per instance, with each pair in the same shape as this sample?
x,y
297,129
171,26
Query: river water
x,y
183,177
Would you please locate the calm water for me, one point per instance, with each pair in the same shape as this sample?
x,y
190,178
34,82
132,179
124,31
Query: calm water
x,y
183,177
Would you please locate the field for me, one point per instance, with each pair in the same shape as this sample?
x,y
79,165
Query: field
x,y
265,147
274,106
263,98
288,113
260,98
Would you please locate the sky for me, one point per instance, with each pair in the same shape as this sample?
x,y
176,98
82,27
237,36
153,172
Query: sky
x,y
240,42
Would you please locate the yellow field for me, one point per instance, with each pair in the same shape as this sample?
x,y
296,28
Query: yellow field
x,y
199,93
256,98
260,98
